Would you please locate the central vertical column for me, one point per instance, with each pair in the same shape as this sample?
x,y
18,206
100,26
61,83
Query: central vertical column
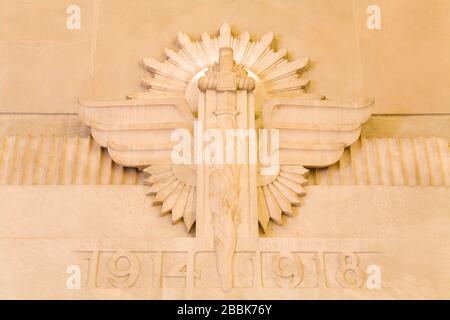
x,y
225,207
227,103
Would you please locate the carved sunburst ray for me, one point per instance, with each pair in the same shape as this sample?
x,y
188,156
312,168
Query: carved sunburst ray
x,y
272,68
173,193
313,131
277,194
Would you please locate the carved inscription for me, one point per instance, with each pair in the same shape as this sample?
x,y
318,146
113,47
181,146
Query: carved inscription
x,y
116,269
174,269
251,269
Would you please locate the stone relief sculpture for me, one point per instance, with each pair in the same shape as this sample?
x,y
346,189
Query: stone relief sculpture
x,y
227,174
224,202
226,82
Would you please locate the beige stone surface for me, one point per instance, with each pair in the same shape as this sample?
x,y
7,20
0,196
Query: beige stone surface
x,y
387,213
403,126
38,159
42,124
354,206
129,213
405,64
389,161
332,220
46,67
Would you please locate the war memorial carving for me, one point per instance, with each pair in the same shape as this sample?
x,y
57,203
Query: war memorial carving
x,y
229,176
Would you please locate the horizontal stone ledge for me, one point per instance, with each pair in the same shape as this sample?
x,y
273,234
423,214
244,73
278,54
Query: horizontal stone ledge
x,y
378,126
327,212
414,125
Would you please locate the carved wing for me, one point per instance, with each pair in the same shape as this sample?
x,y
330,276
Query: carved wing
x,y
312,133
137,133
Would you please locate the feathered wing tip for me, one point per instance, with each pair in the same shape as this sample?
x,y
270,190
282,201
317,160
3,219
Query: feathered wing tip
x,y
277,196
